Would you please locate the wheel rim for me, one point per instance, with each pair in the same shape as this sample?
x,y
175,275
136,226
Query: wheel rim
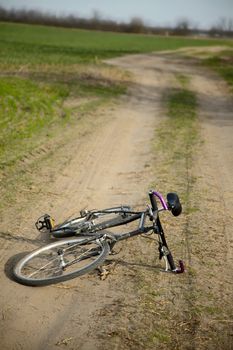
x,y
59,260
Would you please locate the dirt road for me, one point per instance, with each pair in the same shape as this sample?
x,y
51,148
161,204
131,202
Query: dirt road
x,y
137,306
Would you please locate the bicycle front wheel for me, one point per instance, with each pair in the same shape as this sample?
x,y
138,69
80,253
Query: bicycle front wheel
x,y
60,261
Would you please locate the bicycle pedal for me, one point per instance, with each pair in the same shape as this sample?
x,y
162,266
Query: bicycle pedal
x,y
45,222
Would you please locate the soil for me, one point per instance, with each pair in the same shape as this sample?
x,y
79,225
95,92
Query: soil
x,y
112,162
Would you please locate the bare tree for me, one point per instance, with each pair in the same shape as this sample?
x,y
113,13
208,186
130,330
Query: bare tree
x,y
224,27
182,27
136,25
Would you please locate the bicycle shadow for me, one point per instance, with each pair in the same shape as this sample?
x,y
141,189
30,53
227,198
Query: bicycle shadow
x,y
12,261
44,238
131,265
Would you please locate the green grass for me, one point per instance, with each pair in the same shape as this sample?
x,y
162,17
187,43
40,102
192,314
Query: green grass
x,y
183,80
223,64
159,336
31,106
178,134
41,68
183,131
26,109
27,44
37,76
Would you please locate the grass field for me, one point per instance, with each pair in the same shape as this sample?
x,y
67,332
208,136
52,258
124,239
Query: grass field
x,y
26,44
44,67
223,64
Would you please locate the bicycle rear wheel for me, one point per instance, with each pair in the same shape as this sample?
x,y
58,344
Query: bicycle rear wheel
x,y
101,220
60,261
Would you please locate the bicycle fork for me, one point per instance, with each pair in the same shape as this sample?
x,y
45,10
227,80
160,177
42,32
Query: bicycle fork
x,y
164,252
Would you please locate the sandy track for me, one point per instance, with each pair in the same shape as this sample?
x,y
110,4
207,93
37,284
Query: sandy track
x,y
109,166
112,164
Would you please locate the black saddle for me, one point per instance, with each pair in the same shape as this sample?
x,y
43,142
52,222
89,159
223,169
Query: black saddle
x,y
174,204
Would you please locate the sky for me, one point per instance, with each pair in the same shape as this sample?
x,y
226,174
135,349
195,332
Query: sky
x,y
200,13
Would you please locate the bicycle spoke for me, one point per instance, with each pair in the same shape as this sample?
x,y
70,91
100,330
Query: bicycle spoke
x,y
59,260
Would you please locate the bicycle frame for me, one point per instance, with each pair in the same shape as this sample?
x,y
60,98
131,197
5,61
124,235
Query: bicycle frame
x,y
68,258
85,225
156,227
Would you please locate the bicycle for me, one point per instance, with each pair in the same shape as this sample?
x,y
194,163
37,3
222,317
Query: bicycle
x,y
88,243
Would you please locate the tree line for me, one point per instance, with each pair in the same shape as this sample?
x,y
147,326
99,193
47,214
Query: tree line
x,y
224,28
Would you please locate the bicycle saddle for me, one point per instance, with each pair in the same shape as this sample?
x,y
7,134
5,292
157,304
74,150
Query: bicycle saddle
x,y
174,204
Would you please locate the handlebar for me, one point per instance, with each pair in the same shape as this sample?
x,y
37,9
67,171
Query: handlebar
x,y
152,195
173,202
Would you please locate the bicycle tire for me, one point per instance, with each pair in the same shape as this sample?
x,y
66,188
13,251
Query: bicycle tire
x,y
69,229
34,270
78,226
